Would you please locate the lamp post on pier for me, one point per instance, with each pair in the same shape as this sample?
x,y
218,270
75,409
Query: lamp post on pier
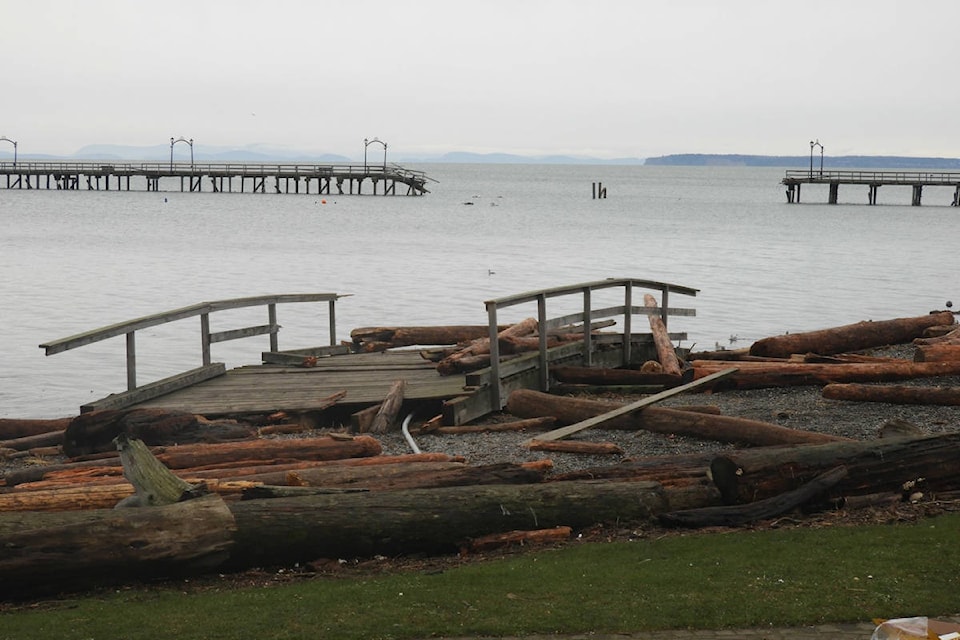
x,y
14,143
367,143
816,143
181,139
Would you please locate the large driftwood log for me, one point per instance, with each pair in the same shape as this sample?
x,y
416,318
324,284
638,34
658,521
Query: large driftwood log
x,y
524,403
47,552
851,337
451,364
736,515
943,352
11,428
759,375
50,551
24,443
875,466
94,431
666,354
939,335
893,394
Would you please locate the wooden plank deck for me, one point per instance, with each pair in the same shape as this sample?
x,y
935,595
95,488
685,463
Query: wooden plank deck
x,y
366,377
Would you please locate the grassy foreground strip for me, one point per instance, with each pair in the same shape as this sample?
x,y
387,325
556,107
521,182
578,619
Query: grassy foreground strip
x,y
780,578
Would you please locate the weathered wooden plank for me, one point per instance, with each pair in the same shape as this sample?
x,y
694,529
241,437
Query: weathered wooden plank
x,y
563,432
157,389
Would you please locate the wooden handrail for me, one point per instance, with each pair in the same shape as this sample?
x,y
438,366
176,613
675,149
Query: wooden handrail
x,y
947,178
202,309
627,310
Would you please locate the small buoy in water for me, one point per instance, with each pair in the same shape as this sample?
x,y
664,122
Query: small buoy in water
x,y
949,304
323,202
164,199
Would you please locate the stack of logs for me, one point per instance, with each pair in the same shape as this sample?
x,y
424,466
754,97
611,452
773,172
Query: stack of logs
x,y
248,498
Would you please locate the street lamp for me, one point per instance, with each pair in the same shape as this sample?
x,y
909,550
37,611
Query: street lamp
x,y
816,143
181,139
14,143
367,143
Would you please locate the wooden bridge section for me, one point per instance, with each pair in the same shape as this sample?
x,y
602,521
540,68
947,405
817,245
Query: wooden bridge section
x,y
301,380
347,179
873,180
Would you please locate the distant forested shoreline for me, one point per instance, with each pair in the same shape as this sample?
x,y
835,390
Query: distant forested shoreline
x,y
831,162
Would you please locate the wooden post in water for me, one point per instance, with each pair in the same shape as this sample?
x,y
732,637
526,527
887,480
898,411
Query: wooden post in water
x,y
599,191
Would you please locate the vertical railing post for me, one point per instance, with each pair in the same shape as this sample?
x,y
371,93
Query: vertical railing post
x,y
664,303
587,322
542,326
627,322
494,357
274,330
205,338
131,361
333,322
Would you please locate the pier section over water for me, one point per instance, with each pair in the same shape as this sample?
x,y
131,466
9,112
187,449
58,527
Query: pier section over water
x,y
346,179
916,180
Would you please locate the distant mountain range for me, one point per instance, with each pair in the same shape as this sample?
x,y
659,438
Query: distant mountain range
x,y
267,153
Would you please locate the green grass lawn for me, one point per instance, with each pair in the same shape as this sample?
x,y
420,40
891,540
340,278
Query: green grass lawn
x,y
712,580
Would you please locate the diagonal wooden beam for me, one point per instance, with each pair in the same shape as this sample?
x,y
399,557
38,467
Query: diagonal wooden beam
x,y
563,432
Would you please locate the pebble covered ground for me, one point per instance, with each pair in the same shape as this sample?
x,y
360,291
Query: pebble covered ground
x,y
799,407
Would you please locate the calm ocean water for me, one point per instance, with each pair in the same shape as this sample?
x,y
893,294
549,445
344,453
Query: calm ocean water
x,y
74,261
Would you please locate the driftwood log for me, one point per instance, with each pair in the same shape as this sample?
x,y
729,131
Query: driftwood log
x,y
480,347
893,394
928,463
524,403
851,337
736,515
943,352
759,375
386,417
80,548
382,338
95,431
666,354
11,428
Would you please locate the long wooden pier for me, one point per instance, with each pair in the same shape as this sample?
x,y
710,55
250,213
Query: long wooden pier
x,y
346,179
873,180
301,380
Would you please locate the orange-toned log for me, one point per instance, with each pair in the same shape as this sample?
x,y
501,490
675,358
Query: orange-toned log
x,y
758,375
11,428
893,394
851,337
85,496
666,354
943,352
527,403
510,538
575,446
323,448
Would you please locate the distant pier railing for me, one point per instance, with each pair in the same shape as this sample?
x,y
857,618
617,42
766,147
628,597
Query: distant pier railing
x,y
917,180
343,179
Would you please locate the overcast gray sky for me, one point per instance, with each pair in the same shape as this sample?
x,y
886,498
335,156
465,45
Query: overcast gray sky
x,y
607,78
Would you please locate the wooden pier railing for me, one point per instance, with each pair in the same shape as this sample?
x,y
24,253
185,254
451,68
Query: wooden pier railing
x,y
917,180
208,369
500,371
344,179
